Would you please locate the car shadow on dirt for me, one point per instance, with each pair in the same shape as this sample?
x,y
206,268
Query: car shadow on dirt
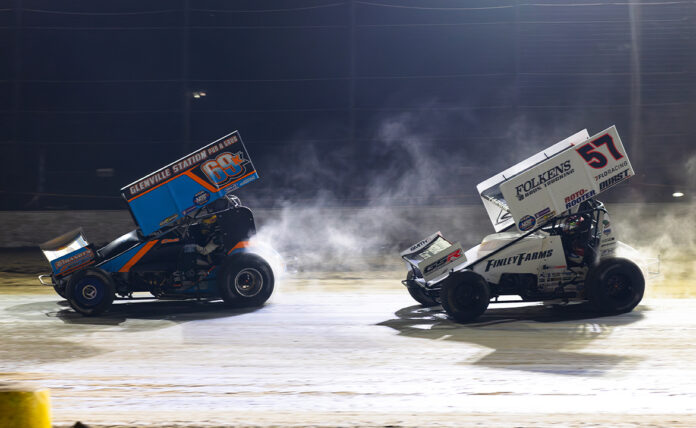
x,y
177,311
525,337
59,332
168,311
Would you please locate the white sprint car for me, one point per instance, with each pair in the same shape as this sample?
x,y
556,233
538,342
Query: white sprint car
x,y
553,242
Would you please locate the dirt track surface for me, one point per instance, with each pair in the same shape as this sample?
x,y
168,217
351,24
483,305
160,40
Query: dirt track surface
x,y
350,350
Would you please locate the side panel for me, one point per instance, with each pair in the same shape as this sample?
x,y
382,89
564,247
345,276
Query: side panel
x,y
527,256
71,262
436,265
125,261
607,239
190,183
566,180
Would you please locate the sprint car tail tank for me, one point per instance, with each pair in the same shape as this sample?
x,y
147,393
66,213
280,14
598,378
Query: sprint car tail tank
x,y
68,252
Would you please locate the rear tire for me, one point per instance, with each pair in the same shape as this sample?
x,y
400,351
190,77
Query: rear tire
x,y
90,292
60,290
615,286
465,296
245,280
418,293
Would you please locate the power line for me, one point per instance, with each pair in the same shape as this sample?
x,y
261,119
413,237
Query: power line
x,y
179,27
63,195
395,6
322,6
60,12
607,4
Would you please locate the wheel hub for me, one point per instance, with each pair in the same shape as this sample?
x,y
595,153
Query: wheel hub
x,y
89,292
248,282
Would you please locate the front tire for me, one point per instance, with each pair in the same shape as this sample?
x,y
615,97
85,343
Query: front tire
x,y
90,292
245,281
465,296
418,293
615,286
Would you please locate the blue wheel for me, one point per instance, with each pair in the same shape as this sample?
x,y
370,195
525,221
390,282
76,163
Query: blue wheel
x,y
90,292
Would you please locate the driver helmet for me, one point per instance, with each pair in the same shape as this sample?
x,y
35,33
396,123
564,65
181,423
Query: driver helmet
x,y
573,223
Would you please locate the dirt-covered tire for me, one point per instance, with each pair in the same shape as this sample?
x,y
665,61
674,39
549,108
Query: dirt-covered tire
x,y
465,296
614,286
90,292
245,280
417,292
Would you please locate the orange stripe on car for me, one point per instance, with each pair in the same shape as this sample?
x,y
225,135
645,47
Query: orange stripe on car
x,y
73,269
195,178
139,255
200,181
241,244
207,185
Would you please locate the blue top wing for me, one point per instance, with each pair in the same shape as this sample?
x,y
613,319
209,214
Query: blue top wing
x,y
183,186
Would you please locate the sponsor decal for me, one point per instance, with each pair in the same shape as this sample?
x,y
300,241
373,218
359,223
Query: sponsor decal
x,y
613,180
611,170
578,197
201,197
169,219
544,214
236,186
224,168
443,261
217,169
527,222
422,243
189,210
608,242
544,179
518,259
607,231
606,222
74,260
503,216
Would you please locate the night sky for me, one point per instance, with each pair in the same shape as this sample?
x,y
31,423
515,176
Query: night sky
x,y
337,97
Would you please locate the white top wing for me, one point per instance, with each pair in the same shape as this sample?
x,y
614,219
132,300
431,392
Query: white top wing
x,y
495,203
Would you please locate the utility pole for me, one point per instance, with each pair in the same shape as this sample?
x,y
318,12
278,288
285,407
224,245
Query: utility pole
x,y
14,151
185,80
634,13
352,61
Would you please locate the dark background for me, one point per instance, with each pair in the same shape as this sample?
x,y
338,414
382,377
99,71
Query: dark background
x,y
337,97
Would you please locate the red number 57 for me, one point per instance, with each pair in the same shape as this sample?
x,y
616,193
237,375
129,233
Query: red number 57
x,y
595,158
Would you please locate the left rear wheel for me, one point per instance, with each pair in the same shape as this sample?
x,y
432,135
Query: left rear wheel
x,y
90,292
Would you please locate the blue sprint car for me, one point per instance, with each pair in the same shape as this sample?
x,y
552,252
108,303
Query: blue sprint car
x,y
193,239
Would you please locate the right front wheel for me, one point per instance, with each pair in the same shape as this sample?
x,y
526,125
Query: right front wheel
x,y
615,286
245,280
465,296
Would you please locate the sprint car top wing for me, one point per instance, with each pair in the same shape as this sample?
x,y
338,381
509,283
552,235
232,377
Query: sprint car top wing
x,y
555,180
183,186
